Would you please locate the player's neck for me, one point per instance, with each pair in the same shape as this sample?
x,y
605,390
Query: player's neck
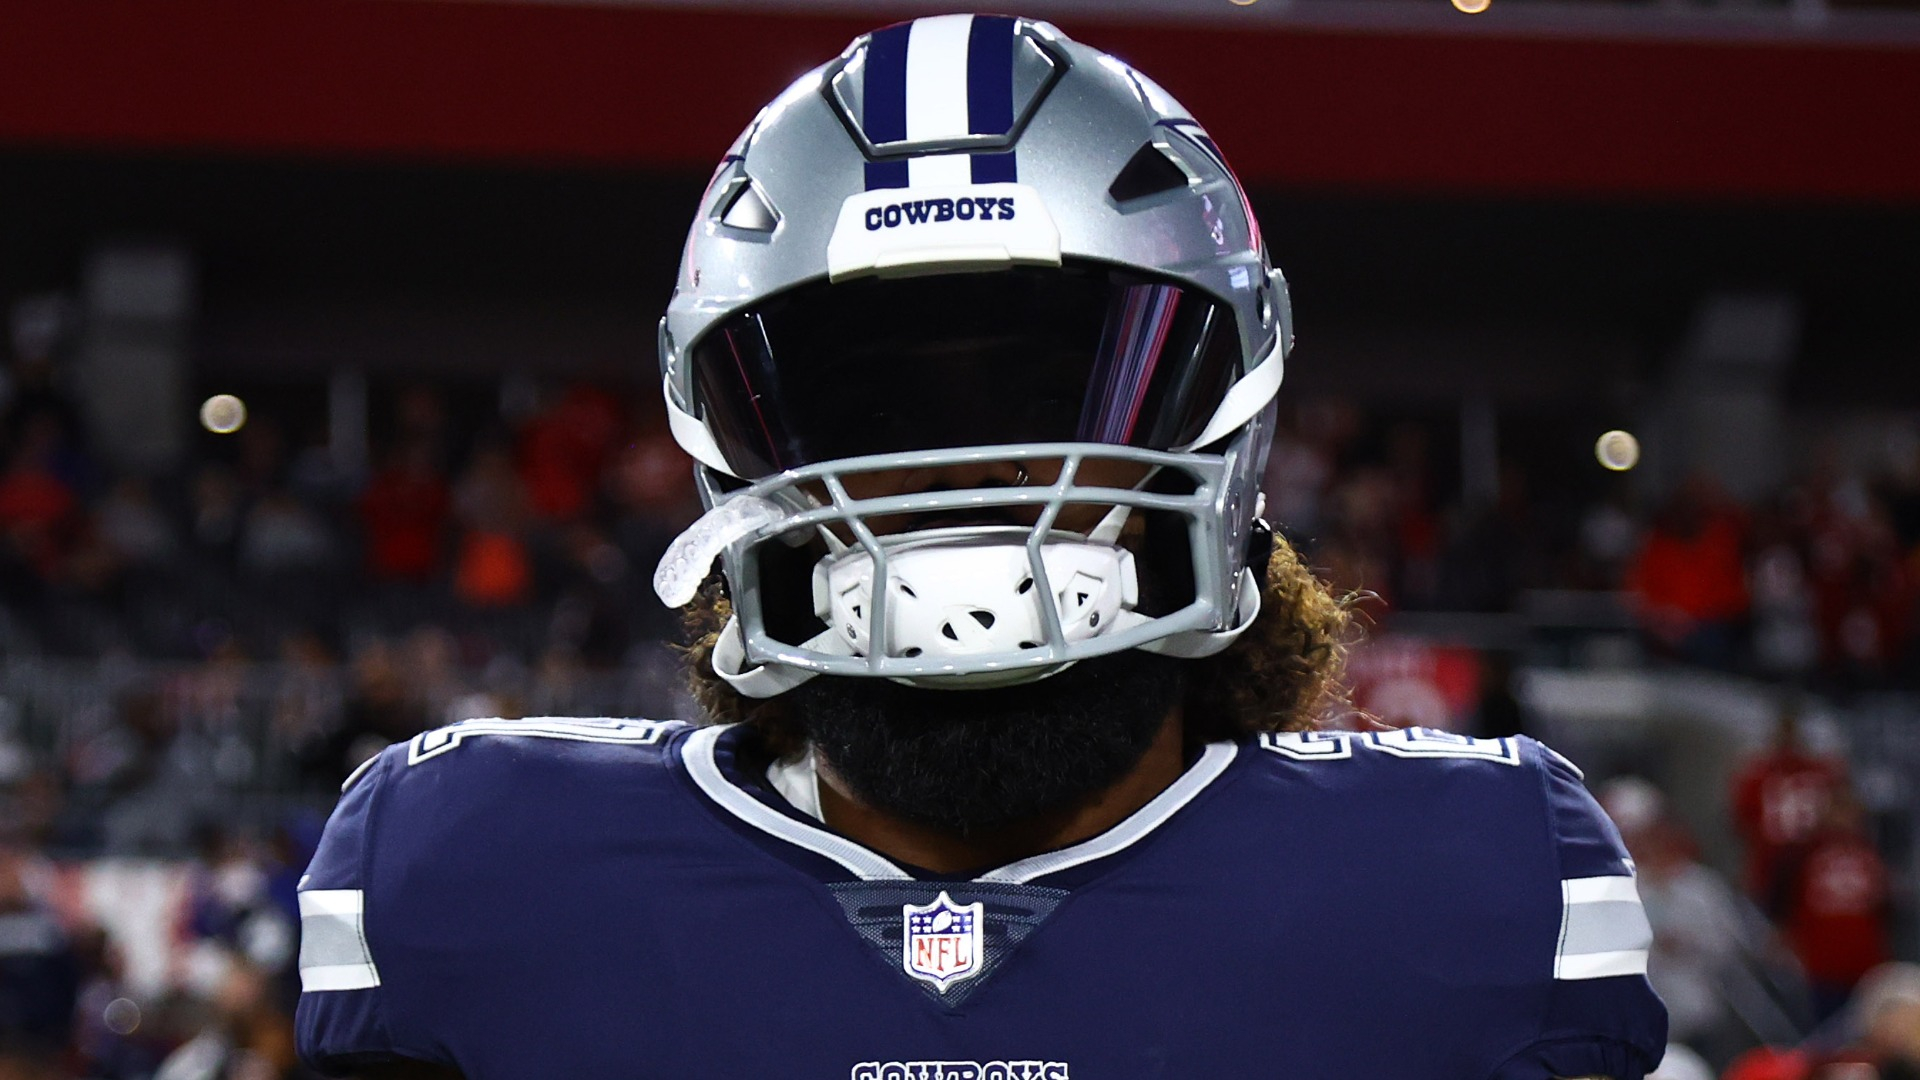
x,y
949,853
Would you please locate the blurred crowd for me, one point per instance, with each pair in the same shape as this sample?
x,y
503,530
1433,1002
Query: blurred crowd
x,y
1817,583
524,533
218,1003
1799,953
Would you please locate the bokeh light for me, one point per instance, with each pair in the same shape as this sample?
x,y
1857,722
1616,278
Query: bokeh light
x,y
122,1016
1617,450
223,414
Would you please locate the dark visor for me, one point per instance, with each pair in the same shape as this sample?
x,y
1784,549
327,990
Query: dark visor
x,y
1084,353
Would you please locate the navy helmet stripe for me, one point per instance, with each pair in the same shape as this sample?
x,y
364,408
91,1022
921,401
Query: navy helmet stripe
x,y
990,75
990,94
886,174
884,102
994,168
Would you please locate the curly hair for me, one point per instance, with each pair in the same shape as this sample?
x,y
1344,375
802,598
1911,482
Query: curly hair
x,y
1286,673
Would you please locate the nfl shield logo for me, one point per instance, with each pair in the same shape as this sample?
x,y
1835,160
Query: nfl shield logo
x,y
944,941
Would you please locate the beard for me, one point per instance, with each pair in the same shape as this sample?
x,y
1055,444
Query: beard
x,y
969,761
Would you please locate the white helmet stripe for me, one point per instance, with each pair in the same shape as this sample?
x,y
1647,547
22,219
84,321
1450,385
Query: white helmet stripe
x,y
937,78
940,170
937,97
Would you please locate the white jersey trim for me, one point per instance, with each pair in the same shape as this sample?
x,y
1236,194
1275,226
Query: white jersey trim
x,y
1213,761
861,862
869,866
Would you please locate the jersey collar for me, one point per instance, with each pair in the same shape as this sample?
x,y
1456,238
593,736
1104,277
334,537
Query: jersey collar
x,y
703,766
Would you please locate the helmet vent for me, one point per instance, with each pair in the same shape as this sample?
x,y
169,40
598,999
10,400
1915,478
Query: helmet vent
x,y
1149,172
749,210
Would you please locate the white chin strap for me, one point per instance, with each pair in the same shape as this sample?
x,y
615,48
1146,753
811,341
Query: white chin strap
x,y
959,598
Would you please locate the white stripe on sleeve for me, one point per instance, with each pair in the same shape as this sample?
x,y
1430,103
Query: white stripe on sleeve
x,y
1603,929
333,941
1602,965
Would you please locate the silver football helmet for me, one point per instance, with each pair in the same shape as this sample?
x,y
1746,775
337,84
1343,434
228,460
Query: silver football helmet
x,y
976,343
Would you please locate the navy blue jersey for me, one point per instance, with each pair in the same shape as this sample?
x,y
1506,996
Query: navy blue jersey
x,y
624,899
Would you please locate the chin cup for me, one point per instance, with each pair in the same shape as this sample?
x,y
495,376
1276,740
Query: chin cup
x,y
957,593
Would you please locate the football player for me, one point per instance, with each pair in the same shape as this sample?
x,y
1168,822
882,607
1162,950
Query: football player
x,y
1015,772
